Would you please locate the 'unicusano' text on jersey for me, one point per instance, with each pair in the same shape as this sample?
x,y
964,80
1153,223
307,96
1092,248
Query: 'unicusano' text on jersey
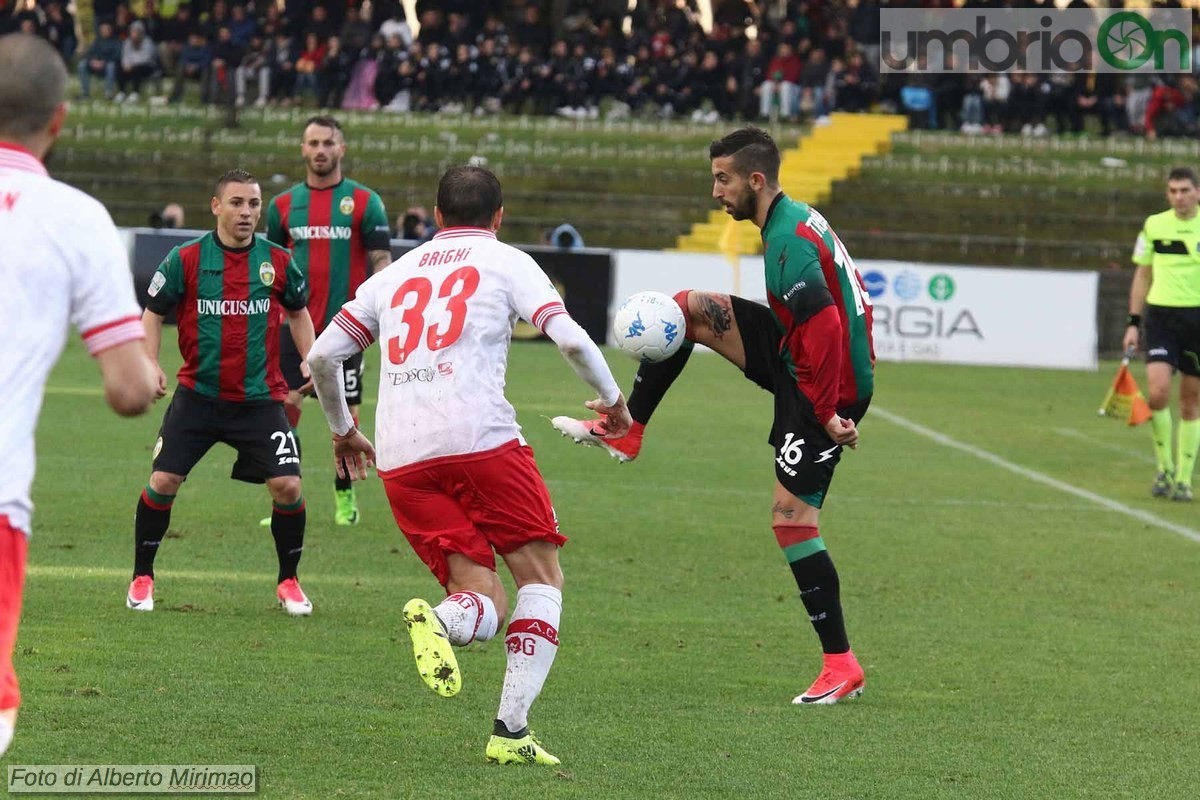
x,y
821,305
330,231
227,308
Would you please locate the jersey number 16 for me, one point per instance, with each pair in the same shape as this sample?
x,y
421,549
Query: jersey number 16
x,y
454,291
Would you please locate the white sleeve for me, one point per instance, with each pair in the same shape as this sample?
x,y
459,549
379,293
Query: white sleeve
x,y
358,318
325,359
353,329
533,295
104,308
583,355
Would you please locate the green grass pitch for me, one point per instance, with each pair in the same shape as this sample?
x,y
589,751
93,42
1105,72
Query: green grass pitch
x,y
1022,638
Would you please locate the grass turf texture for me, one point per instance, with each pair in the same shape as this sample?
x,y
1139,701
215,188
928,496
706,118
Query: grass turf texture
x,y
1019,642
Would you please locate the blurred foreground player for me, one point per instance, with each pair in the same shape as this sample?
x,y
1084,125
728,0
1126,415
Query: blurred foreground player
x,y
62,265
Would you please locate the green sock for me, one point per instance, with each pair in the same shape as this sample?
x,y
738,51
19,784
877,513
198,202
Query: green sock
x,y
1160,426
1189,443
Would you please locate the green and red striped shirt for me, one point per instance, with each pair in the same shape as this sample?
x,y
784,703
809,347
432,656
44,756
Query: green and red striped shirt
x,y
228,305
330,231
823,310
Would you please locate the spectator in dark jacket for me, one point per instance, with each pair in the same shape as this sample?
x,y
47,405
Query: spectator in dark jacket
x,y
856,86
335,74
283,54
102,58
750,70
195,64
813,85
227,57
356,32
60,30
255,68
864,30
173,37
242,27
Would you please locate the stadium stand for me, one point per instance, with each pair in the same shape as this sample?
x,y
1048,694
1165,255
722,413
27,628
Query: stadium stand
x,y
654,67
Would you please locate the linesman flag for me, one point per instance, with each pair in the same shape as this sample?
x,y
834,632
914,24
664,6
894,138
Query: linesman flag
x,y
1124,400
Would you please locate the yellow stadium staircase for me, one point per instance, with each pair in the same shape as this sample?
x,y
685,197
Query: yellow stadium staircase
x,y
807,172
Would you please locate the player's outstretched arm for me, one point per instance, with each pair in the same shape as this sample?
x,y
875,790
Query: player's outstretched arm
x,y
325,359
131,381
588,362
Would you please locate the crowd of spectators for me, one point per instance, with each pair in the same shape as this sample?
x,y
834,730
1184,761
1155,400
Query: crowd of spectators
x,y
791,59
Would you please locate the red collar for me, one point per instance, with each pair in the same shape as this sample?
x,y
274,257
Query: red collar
x,y
14,156
463,230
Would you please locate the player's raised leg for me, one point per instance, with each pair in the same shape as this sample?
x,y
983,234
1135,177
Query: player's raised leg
x,y
531,642
444,537
473,609
796,529
288,520
711,321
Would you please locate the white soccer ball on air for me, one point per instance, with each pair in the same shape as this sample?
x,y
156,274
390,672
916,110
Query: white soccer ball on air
x,y
649,326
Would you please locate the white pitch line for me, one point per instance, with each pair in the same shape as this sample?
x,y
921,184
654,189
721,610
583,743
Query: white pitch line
x,y
1035,476
1114,448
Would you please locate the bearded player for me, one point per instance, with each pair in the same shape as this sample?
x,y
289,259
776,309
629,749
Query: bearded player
x,y
337,230
811,349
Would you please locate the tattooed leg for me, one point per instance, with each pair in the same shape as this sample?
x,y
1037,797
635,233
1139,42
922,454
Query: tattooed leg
x,y
713,325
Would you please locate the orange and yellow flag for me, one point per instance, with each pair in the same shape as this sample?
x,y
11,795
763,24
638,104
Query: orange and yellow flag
x,y
1124,400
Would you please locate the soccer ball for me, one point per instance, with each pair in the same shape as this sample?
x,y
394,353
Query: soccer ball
x,y
649,326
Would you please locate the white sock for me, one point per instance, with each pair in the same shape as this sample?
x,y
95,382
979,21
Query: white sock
x,y
468,617
6,735
532,642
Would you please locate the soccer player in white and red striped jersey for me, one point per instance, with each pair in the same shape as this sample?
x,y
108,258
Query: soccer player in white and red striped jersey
x,y
62,264
461,481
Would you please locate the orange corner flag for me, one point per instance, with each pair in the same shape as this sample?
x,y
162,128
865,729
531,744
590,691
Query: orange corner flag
x,y
1124,400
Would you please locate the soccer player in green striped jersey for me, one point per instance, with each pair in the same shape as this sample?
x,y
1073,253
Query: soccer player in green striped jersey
x,y
338,232
1166,290
810,347
229,290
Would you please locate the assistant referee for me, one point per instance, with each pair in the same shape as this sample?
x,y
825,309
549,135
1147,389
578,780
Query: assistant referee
x,y
1165,293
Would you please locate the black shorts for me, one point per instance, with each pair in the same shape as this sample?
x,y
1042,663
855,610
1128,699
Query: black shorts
x,y
805,456
258,431
289,363
1173,337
